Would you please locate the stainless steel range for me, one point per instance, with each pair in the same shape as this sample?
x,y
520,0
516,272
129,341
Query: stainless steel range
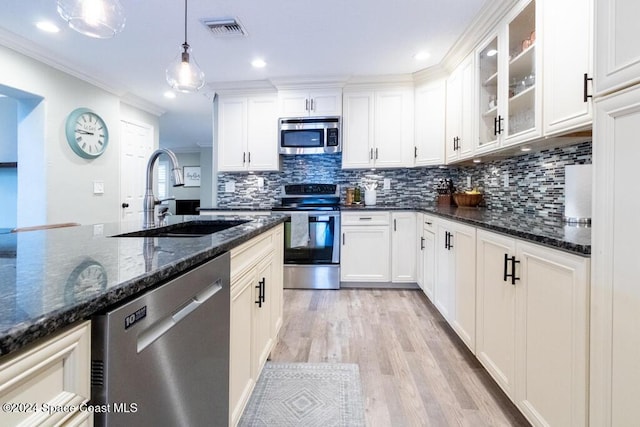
x,y
311,236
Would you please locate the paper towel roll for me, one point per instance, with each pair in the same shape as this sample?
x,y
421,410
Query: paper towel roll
x,y
577,193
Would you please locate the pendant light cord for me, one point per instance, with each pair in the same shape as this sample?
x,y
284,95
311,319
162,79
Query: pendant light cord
x,y
185,22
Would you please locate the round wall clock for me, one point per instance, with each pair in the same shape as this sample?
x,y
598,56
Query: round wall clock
x,y
87,133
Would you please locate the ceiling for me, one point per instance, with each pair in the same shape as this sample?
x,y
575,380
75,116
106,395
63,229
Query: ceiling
x,y
296,38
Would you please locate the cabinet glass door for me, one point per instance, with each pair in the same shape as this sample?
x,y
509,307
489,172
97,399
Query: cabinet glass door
x,y
488,96
522,71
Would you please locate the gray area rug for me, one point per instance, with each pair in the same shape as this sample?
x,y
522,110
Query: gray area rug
x,y
306,394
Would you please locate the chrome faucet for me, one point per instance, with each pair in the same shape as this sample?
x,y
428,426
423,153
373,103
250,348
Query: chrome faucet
x,y
149,203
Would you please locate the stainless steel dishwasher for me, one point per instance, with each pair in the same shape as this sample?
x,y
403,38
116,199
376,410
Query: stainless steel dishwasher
x,y
163,358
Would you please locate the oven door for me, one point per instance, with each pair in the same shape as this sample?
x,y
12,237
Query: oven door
x,y
324,241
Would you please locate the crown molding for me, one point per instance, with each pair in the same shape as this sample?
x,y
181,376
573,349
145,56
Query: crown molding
x,y
309,82
489,16
142,104
430,74
242,87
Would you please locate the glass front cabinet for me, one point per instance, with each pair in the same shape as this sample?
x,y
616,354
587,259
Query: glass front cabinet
x,y
509,100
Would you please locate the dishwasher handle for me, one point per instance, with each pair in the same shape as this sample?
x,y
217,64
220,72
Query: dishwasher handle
x,y
162,326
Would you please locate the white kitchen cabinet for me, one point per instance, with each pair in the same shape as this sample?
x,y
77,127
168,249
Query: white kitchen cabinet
x,y
615,294
427,254
366,247
247,138
617,55
55,371
455,286
403,247
509,70
532,327
429,113
377,128
552,336
495,309
317,102
256,271
460,111
567,60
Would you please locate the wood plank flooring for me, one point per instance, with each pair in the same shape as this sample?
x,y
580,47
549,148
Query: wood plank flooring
x,y
414,369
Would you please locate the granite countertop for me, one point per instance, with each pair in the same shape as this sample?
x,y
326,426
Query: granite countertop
x,y
235,208
52,278
552,232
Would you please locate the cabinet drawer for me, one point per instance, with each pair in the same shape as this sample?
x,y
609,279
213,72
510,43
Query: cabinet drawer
x,y
429,223
365,218
250,253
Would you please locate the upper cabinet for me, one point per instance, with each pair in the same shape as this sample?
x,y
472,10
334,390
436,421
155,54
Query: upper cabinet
x,y
377,128
429,113
302,103
247,136
509,96
460,111
567,64
617,53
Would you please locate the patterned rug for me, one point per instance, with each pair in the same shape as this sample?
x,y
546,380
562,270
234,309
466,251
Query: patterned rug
x,y
306,394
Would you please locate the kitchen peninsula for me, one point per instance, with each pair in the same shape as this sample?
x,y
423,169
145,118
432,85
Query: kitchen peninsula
x,y
61,276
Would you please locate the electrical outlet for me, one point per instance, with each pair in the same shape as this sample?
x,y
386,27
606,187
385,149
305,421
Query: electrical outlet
x,y
387,184
468,182
230,187
260,183
505,179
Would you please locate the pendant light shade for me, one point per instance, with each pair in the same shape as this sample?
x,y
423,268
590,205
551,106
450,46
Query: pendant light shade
x,y
183,73
100,19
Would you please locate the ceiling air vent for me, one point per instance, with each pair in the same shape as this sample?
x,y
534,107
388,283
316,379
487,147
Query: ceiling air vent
x,y
224,27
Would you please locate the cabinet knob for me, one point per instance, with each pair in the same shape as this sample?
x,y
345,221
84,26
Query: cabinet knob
x,y
125,205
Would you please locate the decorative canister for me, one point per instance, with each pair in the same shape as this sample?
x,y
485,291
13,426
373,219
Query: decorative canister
x,y
356,195
370,197
349,198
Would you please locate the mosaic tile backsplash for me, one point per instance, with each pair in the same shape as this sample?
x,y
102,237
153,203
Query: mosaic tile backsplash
x,y
535,180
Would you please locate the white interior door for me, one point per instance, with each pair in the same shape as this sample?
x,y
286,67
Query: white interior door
x,y
136,147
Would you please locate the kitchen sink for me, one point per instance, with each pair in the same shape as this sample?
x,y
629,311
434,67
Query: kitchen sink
x,y
185,229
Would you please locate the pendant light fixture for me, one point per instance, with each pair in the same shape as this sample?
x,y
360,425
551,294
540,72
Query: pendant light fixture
x,y
184,74
100,19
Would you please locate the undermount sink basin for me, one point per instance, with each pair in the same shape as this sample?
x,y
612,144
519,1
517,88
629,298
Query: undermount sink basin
x,y
185,229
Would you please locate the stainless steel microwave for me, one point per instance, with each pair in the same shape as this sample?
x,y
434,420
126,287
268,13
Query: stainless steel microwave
x,y
309,135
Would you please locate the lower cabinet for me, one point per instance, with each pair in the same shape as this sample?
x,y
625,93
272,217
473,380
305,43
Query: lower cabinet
x,y
53,372
455,284
532,327
403,253
256,313
365,251
426,274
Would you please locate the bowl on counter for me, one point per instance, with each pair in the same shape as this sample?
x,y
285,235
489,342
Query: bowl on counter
x,y
466,200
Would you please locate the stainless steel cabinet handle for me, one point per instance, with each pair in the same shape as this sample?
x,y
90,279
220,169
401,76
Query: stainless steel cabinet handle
x,y
395,228
586,96
249,157
376,154
244,157
342,239
428,223
371,154
306,105
422,243
312,108
362,218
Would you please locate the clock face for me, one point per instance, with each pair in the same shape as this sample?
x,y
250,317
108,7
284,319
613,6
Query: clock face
x,y
87,133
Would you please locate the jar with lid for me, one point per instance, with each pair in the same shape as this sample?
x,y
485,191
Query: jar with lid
x,y
356,195
349,198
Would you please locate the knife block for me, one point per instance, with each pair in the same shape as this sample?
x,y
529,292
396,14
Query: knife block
x,y
444,200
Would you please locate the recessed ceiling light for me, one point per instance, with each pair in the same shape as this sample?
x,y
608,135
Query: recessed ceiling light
x,y
421,56
258,63
492,52
477,160
170,94
525,149
48,27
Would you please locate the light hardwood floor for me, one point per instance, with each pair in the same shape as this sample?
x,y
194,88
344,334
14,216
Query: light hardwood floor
x,y
414,369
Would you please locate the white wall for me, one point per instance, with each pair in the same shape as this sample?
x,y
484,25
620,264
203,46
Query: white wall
x,y
8,129
66,183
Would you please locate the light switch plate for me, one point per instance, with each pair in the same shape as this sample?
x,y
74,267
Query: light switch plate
x,y
387,184
468,182
98,229
98,187
229,187
505,179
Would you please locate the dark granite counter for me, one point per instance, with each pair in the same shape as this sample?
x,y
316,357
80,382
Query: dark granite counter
x,y
546,231
236,208
52,278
